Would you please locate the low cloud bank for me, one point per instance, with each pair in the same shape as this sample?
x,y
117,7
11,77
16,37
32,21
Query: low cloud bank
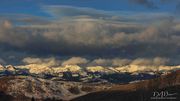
x,y
50,62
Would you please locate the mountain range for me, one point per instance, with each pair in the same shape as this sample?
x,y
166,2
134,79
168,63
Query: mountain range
x,y
106,84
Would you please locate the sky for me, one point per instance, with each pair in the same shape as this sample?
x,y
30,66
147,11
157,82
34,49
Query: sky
x,y
34,7
90,32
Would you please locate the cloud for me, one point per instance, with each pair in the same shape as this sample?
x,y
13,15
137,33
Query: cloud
x,y
71,34
109,42
6,24
114,62
75,61
110,62
101,62
85,62
49,62
2,61
23,19
160,61
120,62
156,61
81,37
69,11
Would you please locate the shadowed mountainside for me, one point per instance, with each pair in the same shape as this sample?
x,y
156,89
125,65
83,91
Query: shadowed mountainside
x,y
17,88
140,91
139,95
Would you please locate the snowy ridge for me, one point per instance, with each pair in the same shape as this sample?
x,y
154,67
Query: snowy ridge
x,y
38,68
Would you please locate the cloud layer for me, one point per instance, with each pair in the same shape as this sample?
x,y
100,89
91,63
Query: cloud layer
x,y
84,38
81,61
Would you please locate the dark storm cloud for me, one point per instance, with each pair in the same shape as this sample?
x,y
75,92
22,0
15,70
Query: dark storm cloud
x,y
91,40
84,37
61,37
